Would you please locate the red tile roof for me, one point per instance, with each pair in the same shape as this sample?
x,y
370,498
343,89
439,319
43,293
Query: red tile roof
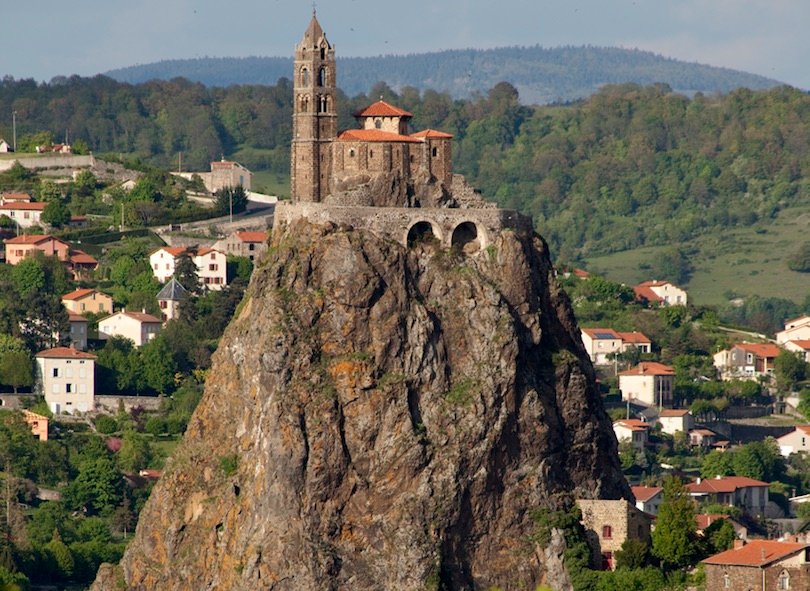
x,y
760,349
375,135
705,520
74,317
674,412
64,353
32,239
649,368
382,109
172,250
143,317
635,337
80,293
602,333
79,257
645,293
724,484
645,493
803,343
633,424
24,206
432,134
252,236
16,196
757,553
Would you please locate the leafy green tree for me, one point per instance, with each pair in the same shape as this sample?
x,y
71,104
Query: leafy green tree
x,y
85,184
60,556
135,453
633,554
16,369
158,365
789,369
721,536
185,271
55,214
231,200
717,463
674,538
800,260
672,264
98,488
48,191
28,276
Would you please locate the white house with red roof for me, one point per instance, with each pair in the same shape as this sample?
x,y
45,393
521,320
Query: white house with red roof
x,y
800,347
797,441
663,293
648,498
86,300
734,491
746,361
244,244
676,419
211,264
24,213
139,327
68,379
760,565
796,329
11,197
649,383
633,430
602,343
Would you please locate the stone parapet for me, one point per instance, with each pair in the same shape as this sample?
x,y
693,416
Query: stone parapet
x,y
450,226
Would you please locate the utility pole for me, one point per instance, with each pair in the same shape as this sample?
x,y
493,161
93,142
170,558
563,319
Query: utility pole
x,y
230,202
14,128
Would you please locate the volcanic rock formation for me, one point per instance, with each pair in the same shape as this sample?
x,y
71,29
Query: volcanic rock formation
x,y
380,416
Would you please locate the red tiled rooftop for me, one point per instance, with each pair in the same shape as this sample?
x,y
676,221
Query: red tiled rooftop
x,y
803,343
432,134
635,337
645,493
80,293
602,333
757,553
706,519
375,135
79,257
74,317
64,353
142,317
16,196
31,239
172,250
674,412
633,424
725,484
24,206
649,368
760,349
252,236
382,109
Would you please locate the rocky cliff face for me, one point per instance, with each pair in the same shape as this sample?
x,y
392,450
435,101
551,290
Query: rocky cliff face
x,y
380,418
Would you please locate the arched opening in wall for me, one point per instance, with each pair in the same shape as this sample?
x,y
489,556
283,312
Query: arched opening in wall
x,y
378,123
351,152
421,233
323,52
305,76
465,238
322,77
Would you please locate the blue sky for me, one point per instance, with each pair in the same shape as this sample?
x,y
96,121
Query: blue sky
x,y
45,38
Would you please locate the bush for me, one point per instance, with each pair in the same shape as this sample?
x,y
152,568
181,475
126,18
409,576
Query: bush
x,y
106,424
156,426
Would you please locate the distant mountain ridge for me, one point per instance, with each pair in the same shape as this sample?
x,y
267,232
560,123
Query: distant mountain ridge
x,y
542,75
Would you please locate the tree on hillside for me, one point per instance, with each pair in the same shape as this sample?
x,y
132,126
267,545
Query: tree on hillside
x,y
675,538
185,271
16,369
800,260
789,368
231,200
55,214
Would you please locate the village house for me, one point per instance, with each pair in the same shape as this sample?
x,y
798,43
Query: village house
x,y
648,498
648,383
704,438
602,344
14,197
760,565
139,327
170,297
21,246
746,361
243,244
797,441
704,520
800,347
68,379
735,491
78,331
673,420
81,265
662,293
211,265
796,329
632,430
608,524
24,214
87,300
224,174
38,424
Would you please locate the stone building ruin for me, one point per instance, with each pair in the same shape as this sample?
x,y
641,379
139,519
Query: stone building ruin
x,y
379,176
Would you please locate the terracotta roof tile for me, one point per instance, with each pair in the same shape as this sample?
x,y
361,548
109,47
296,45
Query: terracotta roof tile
x,y
649,368
64,353
725,484
24,206
432,134
32,239
645,493
633,424
382,109
375,135
78,294
635,337
74,317
252,236
602,333
803,343
706,519
674,412
757,553
760,349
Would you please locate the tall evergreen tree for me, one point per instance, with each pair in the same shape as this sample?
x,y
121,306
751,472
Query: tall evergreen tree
x,y
675,538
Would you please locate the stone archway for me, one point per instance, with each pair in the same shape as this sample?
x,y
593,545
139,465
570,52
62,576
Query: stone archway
x,y
422,231
466,238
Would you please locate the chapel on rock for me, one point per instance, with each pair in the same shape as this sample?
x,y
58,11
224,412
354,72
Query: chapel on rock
x,y
378,176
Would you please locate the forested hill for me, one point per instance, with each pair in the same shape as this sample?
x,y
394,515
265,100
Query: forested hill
x,y
541,75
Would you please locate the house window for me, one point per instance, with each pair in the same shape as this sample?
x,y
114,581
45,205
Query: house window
x,y
726,581
351,153
378,123
371,153
68,388
784,581
55,372
212,267
607,532
434,152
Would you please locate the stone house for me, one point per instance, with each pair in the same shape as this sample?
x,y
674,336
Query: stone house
x,y
675,419
243,244
139,327
662,293
608,524
68,379
21,246
796,329
746,361
224,174
735,491
24,214
170,297
760,565
796,441
85,300
632,430
648,383
703,437
648,498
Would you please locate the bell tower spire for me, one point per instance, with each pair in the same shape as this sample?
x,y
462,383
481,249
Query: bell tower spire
x,y
314,114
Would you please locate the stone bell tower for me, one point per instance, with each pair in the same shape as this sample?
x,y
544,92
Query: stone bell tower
x,y
314,115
